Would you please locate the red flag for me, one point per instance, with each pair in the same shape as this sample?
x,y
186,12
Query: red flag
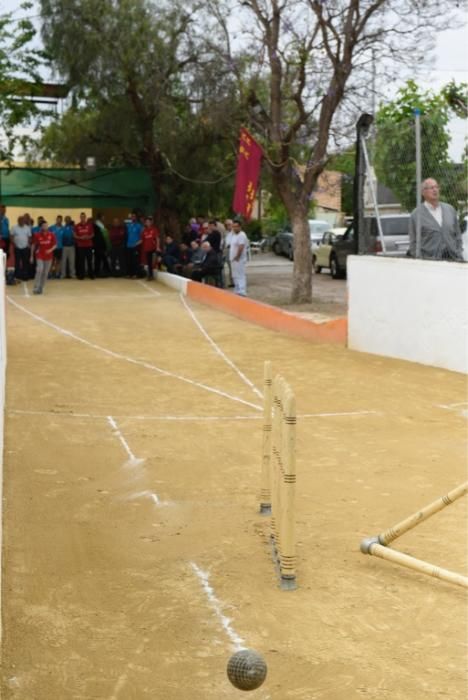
x,y
248,170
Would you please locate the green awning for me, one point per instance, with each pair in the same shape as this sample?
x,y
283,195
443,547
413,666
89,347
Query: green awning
x,y
72,187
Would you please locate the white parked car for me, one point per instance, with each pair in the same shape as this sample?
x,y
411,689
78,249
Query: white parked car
x,y
317,229
322,254
464,231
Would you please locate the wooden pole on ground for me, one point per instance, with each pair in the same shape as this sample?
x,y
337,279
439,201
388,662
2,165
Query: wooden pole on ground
x,y
379,550
265,484
400,528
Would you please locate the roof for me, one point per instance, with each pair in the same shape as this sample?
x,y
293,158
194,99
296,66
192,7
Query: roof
x,y
59,187
26,88
385,195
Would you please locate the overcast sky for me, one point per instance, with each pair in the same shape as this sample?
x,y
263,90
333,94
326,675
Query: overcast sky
x,y
450,61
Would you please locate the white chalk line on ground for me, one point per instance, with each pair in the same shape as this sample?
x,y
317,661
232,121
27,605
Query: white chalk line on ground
x,y
461,408
451,406
339,413
253,416
131,360
97,296
218,350
148,494
134,461
215,604
154,292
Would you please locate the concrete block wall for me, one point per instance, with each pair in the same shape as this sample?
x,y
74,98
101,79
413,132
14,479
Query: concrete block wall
x,y
414,310
3,361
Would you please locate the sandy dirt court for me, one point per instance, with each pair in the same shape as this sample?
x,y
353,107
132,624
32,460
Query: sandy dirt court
x,y
135,560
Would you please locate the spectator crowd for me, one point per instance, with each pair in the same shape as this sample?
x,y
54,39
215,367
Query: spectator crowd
x,y
209,251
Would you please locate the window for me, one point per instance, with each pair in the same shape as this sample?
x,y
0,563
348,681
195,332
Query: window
x,y
391,226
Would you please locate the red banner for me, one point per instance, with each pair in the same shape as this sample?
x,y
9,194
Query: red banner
x,y
248,170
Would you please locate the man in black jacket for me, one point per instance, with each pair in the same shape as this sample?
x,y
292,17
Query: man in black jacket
x,y
209,266
214,236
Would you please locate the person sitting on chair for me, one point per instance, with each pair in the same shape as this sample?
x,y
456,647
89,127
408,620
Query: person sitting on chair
x,y
196,259
209,265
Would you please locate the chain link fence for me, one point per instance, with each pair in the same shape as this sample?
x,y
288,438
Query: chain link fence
x,y
397,160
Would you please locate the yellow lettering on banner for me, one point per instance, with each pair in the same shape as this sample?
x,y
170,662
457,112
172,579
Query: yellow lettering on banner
x,y
244,152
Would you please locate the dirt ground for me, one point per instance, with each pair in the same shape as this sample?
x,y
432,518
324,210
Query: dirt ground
x,y
269,279
135,559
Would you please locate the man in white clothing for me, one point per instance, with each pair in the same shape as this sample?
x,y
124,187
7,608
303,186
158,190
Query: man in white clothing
x,y
226,247
238,258
21,237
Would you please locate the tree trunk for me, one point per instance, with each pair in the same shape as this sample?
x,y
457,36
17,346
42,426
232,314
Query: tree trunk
x,y
166,218
302,272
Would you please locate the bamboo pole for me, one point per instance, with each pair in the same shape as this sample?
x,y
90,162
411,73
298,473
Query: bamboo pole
x,y
265,484
416,518
275,461
423,567
288,488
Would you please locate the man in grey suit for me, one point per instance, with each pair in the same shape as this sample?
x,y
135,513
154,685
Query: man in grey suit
x,y
440,231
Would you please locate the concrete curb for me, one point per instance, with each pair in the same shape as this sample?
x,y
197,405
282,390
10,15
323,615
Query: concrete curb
x,y
332,331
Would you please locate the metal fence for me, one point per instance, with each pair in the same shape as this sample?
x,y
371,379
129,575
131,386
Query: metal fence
x,y
397,158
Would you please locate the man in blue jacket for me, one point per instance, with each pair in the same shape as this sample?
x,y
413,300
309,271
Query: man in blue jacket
x,y
4,230
133,245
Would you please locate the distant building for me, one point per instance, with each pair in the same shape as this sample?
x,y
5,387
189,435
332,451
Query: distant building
x,y
327,197
387,202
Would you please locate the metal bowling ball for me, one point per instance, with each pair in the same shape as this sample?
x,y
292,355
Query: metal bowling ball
x,y
246,669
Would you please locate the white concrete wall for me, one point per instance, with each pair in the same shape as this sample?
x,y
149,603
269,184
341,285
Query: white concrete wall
x,y
174,281
415,310
3,359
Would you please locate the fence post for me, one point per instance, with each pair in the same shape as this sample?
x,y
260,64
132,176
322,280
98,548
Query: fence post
x,y
362,129
417,129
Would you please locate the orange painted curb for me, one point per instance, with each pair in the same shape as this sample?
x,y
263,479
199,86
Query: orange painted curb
x,y
334,331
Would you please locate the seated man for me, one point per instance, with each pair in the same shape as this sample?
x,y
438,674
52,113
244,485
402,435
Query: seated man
x,y
209,266
185,256
170,256
196,259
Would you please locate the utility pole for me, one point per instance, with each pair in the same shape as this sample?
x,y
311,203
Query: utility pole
x,y
363,125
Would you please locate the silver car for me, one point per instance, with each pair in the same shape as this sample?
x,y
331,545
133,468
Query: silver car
x,y
283,243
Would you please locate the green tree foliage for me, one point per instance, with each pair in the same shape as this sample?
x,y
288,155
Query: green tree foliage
x,y
456,96
145,93
20,66
310,72
395,149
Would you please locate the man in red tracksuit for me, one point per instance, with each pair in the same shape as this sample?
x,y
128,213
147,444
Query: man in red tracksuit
x,y
84,233
44,244
149,244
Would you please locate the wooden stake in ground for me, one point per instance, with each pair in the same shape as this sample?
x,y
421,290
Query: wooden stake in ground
x,y
288,490
265,487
